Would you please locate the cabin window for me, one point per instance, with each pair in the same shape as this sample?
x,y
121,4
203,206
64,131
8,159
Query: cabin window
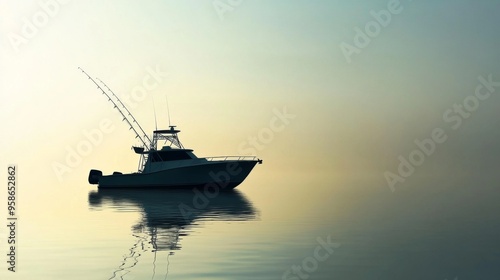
x,y
169,156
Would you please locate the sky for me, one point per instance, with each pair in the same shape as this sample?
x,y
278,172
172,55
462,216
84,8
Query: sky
x,y
231,68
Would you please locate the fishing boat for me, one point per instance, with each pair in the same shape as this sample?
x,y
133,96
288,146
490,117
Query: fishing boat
x,y
171,165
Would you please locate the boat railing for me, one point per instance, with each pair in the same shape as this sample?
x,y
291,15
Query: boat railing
x,y
227,158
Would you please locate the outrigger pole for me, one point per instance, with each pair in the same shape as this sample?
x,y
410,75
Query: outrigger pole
x,y
137,135
145,135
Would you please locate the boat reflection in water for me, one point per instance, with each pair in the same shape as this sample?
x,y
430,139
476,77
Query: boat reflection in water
x,y
167,216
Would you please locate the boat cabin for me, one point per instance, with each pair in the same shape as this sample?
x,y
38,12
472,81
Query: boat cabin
x,y
169,154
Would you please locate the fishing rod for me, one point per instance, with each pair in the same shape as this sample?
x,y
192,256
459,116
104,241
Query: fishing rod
x,y
145,135
137,135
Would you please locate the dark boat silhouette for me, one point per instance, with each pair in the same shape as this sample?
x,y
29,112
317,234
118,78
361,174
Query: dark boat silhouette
x,y
171,166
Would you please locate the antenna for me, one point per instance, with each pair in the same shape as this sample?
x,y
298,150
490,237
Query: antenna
x,y
154,110
168,110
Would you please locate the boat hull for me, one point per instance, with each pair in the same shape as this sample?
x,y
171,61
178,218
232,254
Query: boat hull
x,y
224,175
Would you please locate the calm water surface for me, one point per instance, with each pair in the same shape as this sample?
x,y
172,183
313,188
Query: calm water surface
x,y
422,231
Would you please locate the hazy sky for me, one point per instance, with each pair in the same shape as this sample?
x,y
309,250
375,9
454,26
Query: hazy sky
x,y
227,69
